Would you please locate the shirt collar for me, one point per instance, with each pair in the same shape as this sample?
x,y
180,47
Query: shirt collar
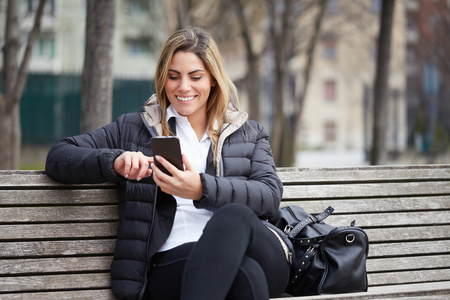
x,y
172,112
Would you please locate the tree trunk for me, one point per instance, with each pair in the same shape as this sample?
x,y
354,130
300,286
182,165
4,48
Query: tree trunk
x,y
280,32
97,78
14,79
292,127
381,86
253,62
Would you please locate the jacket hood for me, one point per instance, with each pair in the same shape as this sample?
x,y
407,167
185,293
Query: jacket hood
x,y
234,119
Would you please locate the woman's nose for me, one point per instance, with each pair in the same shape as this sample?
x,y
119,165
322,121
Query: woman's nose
x,y
185,85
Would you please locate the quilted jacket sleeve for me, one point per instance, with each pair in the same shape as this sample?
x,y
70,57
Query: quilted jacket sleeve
x,y
86,158
250,176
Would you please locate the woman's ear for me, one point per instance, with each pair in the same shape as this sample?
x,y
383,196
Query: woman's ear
x,y
213,82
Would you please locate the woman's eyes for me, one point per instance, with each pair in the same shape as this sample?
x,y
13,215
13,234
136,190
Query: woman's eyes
x,y
195,78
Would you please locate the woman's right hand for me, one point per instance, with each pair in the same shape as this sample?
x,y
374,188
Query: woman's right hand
x,y
133,165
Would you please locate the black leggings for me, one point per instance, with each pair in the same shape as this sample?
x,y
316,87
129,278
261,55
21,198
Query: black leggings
x,y
237,257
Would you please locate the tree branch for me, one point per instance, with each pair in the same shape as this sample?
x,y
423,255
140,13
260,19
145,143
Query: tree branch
x,y
23,69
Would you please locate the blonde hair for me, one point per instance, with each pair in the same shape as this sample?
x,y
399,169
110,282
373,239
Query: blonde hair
x,y
199,42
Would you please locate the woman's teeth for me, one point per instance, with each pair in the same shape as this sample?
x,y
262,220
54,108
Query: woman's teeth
x,y
185,98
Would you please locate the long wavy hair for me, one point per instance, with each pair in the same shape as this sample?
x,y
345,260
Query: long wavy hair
x,y
199,42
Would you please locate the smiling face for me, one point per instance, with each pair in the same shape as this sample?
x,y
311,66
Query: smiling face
x,y
188,85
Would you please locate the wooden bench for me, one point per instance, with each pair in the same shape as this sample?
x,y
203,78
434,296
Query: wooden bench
x,y
57,240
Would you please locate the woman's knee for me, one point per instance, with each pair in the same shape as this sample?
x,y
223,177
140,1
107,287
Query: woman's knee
x,y
250,282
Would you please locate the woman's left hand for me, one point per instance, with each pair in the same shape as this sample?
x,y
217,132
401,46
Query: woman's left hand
x,y
186,184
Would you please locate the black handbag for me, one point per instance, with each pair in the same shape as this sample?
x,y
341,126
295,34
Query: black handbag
x,y
327,260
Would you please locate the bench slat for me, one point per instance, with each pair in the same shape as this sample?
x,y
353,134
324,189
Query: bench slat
x,y
364,174
58,231
375,204
58,214
427,218
408,233
369,190
57,197
432,290
54,282
408,263
104,294
57,248
53,265
390,278
410,248
27,179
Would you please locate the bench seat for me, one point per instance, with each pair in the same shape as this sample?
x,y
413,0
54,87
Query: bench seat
x,y
57,240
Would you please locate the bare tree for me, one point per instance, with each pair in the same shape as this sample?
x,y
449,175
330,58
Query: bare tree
x,y
97,77
381,87
284,35
290,130
253,76
14,78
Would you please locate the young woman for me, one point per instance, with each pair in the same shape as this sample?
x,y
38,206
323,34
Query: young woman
x,y
198,233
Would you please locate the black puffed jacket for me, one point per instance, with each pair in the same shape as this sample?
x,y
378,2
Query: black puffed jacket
x,y
244,173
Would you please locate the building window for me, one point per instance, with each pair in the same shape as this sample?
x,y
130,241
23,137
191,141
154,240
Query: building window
x,y
330,90
137,47
330,131
32,5
135,7
329,47
45,46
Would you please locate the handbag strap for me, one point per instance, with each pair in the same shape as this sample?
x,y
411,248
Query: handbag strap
x,y
292,231
302,265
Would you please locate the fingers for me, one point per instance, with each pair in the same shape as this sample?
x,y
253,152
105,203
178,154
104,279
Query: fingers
x,y
133,165
187,163
186,184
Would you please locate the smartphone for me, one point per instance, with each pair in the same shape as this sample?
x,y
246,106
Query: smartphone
x,y
169,148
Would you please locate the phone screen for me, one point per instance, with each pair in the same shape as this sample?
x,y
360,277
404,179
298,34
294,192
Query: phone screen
x,y
169,148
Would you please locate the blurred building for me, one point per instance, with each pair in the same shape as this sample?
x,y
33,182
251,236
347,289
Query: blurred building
x,y
337,115
428,74
50,105
139,32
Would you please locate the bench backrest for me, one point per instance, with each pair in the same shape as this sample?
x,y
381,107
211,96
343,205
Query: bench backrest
x,y
57,240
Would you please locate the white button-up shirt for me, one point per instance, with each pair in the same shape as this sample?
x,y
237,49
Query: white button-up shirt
x,y
189,221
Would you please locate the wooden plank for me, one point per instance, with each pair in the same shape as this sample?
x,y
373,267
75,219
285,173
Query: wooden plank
x,y
408,233
427,290
103,294
370,205
58,231
369,190
426,218
54,282
57,197
56,248
11,179
55,265
364,174
409,248
408,263
58,214
390,278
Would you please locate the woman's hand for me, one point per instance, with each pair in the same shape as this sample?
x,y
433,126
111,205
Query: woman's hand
x,y
133,165
186,184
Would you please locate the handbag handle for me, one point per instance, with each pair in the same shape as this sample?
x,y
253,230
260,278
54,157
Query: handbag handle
x,y
303,264
292,231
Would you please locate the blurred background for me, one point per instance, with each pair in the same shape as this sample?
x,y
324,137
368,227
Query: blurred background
x,y
335,82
